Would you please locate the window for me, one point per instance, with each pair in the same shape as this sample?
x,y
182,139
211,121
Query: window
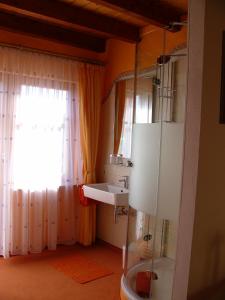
x,y
40,128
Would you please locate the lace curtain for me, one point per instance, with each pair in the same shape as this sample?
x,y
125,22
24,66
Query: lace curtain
x,y
39,151
126,135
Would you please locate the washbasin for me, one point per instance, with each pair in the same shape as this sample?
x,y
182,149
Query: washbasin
x,y
107,193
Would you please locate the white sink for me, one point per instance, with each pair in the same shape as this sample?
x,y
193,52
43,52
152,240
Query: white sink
x,y
107,193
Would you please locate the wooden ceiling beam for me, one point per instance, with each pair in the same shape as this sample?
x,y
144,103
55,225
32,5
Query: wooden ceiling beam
x,y
156,12
77,15
26,25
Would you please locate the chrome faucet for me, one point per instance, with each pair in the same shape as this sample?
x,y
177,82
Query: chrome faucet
x,y
125,180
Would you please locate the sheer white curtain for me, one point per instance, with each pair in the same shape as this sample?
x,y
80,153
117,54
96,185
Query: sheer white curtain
x,y
126,135
144,100
39,151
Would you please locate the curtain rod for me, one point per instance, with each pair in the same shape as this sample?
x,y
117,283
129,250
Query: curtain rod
x,y
46,52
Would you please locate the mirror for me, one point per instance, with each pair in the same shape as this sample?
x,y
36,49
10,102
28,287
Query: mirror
x,y
147,103
123,117
124,96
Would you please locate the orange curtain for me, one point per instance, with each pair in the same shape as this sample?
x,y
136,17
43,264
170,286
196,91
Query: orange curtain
x,y
119,112
90,79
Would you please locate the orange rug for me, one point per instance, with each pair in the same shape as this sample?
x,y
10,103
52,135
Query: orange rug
x,y
79,268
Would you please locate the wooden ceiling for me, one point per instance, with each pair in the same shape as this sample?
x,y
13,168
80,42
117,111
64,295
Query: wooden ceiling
x,y
89,23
